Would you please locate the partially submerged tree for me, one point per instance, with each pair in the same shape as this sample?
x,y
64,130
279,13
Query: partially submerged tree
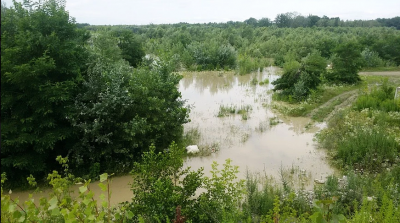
x,y
299,78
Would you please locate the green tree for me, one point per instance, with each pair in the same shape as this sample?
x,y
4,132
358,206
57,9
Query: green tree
x,y
131,47
122,110
299,78
347,62
42,64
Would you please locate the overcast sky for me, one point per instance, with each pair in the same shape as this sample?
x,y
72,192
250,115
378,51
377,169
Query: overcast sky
x,y
141,12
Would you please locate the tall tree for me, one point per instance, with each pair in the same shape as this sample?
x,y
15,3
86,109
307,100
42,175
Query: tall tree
x,y
42,59
347,62
131,48
122,110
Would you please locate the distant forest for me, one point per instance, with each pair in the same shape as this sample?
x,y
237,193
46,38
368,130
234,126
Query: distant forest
x,y
295,20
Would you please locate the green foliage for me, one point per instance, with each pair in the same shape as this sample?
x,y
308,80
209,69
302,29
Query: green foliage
x,y
299,79
161,184
123,110
247,64
66,94
381,98
323,212
371,58
42,64
258,201
224,192
62,206
266,81
131,47
210,56
371,132
347,61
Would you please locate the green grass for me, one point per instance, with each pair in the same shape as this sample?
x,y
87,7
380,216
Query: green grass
x,y
266,81
190,137
254,81
323,94
274,121
366,136
226,110
243,110
323,112
370,150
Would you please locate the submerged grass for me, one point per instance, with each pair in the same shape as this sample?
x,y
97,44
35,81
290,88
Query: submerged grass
x,y
266,81
243,110
190,137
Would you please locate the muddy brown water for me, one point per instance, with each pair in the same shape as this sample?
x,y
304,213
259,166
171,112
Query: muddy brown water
x,y
264,143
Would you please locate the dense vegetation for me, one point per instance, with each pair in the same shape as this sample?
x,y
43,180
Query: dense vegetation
x,y
289,40
69,92
90,100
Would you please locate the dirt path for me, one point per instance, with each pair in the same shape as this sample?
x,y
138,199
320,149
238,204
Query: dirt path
x,y
348,102
381,73
331,107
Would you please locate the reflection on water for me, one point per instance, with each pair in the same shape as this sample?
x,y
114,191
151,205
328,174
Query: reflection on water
x,y
257,143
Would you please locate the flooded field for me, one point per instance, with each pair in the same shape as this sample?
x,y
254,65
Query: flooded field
x,y
232,117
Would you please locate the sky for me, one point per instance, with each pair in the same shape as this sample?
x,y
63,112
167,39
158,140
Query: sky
x,y
143,12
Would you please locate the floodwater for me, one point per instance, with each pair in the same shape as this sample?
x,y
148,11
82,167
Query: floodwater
x,y
258,140
255,143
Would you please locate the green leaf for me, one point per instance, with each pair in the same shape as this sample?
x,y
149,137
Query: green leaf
x,y
317,218
83,189
11,208
22,218
53,203
129,214
86,201
91,217
55,212
103,177
17,214
102,197
102,186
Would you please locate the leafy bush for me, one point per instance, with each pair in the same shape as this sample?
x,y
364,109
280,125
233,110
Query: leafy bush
x,y
162,184
209,56
371,58
381,98
299,79
43,59
368,149
122,110
62,206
